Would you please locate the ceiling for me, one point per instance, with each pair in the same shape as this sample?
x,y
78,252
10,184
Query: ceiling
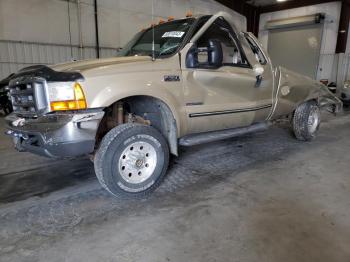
x,y
262,2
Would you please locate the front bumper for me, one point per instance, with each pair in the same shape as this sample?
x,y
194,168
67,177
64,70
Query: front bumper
x,y
56,135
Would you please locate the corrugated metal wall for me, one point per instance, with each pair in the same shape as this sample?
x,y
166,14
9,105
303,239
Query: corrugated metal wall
x,y
48,28
16,55
345,63
342,62
339,65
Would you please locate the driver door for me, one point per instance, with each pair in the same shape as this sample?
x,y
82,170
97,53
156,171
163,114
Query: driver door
x,y
225,96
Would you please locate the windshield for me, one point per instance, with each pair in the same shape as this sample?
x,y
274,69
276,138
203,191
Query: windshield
x,y
167,39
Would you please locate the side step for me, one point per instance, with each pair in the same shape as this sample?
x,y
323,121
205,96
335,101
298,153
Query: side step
x,y
201,138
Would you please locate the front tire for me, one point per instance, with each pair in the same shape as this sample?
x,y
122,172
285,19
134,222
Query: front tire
x,y
306,121
346,103
132,160
7,110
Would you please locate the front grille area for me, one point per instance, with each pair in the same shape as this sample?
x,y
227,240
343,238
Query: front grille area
x,y
29,96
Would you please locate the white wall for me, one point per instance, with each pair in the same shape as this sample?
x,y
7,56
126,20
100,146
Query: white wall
x,y
348,43
47,22
330,33
130,16
347,58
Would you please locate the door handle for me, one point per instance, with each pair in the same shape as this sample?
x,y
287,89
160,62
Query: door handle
x,y
259,79
258,71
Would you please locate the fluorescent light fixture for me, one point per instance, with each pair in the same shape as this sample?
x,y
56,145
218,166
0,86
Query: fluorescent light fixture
x,y
281,1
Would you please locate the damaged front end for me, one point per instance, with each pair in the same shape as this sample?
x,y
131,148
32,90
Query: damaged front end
x,y
329,102
56,135
39,128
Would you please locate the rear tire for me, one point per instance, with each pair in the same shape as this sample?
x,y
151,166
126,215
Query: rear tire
x,y
306,121
132,160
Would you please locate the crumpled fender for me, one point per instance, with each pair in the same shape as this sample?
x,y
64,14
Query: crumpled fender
x,y
326,99
294,89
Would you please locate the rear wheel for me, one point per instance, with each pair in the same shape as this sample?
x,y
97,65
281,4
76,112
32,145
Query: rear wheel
x,y
306,121
132,160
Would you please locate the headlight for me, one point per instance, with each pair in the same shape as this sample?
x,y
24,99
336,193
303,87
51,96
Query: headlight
x,y
66,96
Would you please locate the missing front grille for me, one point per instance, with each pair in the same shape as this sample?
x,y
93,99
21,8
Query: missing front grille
x,y
28,97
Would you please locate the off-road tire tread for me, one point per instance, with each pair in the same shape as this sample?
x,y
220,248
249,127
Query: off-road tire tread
x,y
300,121
99,156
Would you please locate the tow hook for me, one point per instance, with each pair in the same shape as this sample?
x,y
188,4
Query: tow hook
x,y
16,134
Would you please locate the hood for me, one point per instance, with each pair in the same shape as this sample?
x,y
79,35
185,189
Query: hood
x,y
73,71
6,81
84,65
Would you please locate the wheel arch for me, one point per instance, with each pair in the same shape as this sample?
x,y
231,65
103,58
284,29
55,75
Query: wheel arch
x,y
160,114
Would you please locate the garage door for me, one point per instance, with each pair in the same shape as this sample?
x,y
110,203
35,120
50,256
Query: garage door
x,y
296,48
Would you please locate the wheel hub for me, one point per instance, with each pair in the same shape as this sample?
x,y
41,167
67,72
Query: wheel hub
x,y
314,120
137,162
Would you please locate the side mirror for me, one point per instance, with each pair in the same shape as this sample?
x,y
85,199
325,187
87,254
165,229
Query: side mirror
x,y
215,54
192,57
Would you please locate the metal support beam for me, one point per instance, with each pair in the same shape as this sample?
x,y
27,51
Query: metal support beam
x,y
80,30
343,27
96,30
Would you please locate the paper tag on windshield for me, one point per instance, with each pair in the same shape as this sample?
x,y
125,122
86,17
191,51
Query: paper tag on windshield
x,y
177,34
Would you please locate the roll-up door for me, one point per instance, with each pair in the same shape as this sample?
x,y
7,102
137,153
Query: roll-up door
x,y
295,43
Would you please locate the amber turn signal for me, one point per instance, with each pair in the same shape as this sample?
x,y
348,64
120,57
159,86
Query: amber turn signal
x,y
79,101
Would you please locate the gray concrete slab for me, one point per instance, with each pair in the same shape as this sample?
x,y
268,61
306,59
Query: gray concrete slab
x,y
262,197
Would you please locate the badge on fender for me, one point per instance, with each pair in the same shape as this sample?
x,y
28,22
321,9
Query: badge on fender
x,y
171,78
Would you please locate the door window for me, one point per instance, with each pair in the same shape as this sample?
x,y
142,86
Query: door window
x,y
222,31
259,55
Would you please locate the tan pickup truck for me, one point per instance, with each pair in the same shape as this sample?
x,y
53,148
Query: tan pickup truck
x,y
183,82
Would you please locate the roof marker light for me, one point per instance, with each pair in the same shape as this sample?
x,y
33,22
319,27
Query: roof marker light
x,y
189,14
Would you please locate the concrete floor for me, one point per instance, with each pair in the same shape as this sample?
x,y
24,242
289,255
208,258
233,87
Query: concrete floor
x,y
263,197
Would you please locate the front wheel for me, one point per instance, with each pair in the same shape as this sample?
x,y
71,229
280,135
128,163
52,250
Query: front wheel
x,y
7,109
306,121
132,160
